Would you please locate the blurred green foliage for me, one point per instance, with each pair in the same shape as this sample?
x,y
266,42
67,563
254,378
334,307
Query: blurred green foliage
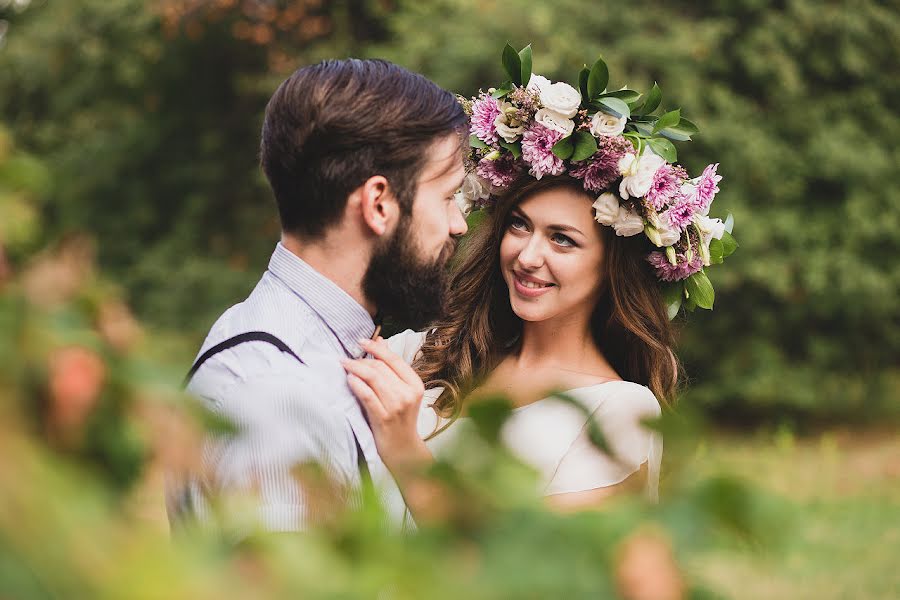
x,y
146,115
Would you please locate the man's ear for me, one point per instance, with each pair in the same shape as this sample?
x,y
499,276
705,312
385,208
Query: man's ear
x,y
378,205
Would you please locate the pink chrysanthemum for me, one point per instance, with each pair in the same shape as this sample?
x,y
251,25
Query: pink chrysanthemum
x,y
707,187
669,272
601,169
680,215
537,150
500,172
666,183
485,111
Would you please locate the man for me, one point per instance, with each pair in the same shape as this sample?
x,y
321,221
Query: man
x,y
363,158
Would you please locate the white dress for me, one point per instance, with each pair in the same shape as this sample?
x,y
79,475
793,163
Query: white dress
x,y
551,435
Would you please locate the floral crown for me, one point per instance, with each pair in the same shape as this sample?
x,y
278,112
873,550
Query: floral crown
x,y
611,141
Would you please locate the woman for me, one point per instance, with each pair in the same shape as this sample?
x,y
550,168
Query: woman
x,y
558,290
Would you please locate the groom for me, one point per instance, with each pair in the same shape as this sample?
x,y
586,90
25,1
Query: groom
x,y
363,158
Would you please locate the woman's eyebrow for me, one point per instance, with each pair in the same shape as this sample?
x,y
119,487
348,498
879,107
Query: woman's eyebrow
x,y
520,213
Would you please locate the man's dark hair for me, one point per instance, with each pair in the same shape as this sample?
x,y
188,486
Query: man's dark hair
x,y
331,126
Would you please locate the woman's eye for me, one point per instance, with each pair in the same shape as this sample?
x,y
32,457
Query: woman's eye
x,y
563,240
517,224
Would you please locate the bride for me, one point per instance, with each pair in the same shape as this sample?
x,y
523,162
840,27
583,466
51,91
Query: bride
x,y
556,290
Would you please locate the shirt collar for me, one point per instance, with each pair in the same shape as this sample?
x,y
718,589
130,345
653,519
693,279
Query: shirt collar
x,y
341,313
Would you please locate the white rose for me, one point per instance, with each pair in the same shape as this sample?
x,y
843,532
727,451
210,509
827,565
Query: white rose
x,y
476,187
464,203
628,223
555,121
538,83
606,209
662,235
607,125
637,173
562,98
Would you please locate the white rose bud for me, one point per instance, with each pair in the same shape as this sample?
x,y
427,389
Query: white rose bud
x,y
607,125
464,203
506,129
538,83
562,98
708,229
555,121
662,236
606,209
637,173
628,224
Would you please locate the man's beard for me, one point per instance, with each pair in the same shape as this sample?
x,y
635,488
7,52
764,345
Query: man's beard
x,y
408,290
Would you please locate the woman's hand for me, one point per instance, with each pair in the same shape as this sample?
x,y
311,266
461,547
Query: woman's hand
x,y
391,393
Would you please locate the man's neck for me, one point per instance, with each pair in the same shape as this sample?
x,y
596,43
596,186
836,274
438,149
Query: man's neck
x,y
342,265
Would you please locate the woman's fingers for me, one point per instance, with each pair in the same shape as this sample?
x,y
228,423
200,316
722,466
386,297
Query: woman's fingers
x,y
379,349
380,379
367,397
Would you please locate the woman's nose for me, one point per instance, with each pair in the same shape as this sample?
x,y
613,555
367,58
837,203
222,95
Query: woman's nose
x,y
532,254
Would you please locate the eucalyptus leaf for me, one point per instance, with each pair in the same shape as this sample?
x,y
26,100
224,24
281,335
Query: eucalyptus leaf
x,y
474,142
664,148
515,148
525,59
654,97
597,79
585,145
564,148
700,290
513,64
614,106
670,119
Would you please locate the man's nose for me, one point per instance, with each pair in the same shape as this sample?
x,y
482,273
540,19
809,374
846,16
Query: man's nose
x,y
458,225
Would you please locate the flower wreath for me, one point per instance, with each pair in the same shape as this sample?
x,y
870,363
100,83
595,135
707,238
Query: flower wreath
x,y
619,149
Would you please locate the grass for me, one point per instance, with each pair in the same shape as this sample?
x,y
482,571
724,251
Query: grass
x,y
843,540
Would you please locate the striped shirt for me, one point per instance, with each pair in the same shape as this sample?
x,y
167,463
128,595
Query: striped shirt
x,y
286,412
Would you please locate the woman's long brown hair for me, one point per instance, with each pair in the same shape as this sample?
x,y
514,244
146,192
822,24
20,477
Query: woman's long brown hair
x,y
630,324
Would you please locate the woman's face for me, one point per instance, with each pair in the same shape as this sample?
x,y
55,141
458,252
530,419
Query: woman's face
x,y
551,256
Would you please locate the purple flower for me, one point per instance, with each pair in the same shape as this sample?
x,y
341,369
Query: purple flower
x,y
707,188
666,183
485,111
601,169
537,150
680,215
500,172
669,272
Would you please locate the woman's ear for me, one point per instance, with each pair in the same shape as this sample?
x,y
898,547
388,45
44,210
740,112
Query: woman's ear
x,y
378,205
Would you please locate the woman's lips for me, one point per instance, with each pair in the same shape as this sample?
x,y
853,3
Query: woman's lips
x,y
530,287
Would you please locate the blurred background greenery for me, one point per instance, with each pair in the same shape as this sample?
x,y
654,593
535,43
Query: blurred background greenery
x,y
133,212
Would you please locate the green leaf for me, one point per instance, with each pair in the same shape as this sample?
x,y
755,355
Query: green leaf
x,y
729,245
673,295
513,64
674,133
687,126
585,145
626,95
525,59
515,148
614,106
476,143
592,427
664,148
583,85
654,97
644,128
700,290
716,252
597,79
488,416
670,119
502,90
564,148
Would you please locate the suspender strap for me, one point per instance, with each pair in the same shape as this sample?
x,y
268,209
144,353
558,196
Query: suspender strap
x,y
250,336
262,336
